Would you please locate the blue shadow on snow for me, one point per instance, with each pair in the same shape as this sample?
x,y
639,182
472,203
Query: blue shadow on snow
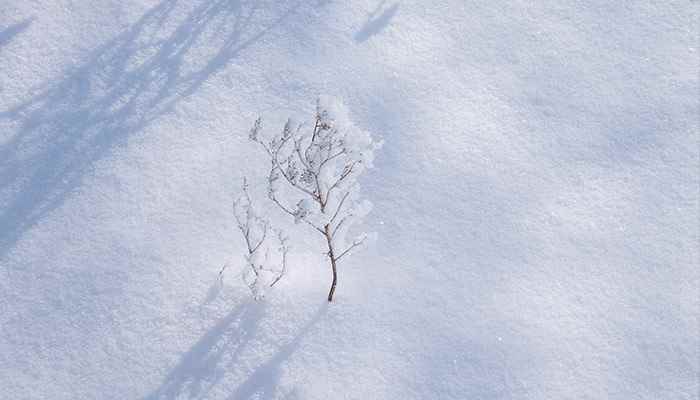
x,y
121,88
203,367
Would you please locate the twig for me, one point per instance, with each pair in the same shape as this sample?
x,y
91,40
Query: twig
x,y
354,244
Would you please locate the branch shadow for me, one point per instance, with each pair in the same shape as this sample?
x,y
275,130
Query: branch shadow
x,y
7,34
121,88
376,22
202,368
262,382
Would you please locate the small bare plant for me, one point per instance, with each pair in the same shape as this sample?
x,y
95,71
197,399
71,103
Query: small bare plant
x,y
318,167
266,247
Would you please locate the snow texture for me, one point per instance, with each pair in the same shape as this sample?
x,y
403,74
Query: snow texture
x,y
535,200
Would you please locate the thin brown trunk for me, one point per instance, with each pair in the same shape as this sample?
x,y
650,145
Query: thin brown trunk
x,y
331,255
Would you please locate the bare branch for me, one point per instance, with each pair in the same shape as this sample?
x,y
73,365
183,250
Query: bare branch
x,y
321,201
346,172
340,206
297,150
262,239
283,270
221,273
342,221
292,213
255,233
352,246
267,148
277,164
280,205
324,162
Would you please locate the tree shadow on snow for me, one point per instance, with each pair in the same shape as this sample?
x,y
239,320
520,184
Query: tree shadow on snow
x,y
376,22
262,382
123,86
7,34
203,367
200,369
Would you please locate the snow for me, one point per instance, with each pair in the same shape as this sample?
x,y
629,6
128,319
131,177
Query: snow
x,y
535,200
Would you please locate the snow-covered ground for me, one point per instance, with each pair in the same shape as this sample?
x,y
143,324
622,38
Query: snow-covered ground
x,y
536,200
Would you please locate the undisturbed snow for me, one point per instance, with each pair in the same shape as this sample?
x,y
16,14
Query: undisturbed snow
x,y
536,200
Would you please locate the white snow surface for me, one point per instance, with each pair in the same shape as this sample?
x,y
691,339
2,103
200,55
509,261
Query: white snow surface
x,y
535,200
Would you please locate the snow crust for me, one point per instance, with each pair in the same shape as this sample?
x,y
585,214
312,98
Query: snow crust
x,y
535,200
